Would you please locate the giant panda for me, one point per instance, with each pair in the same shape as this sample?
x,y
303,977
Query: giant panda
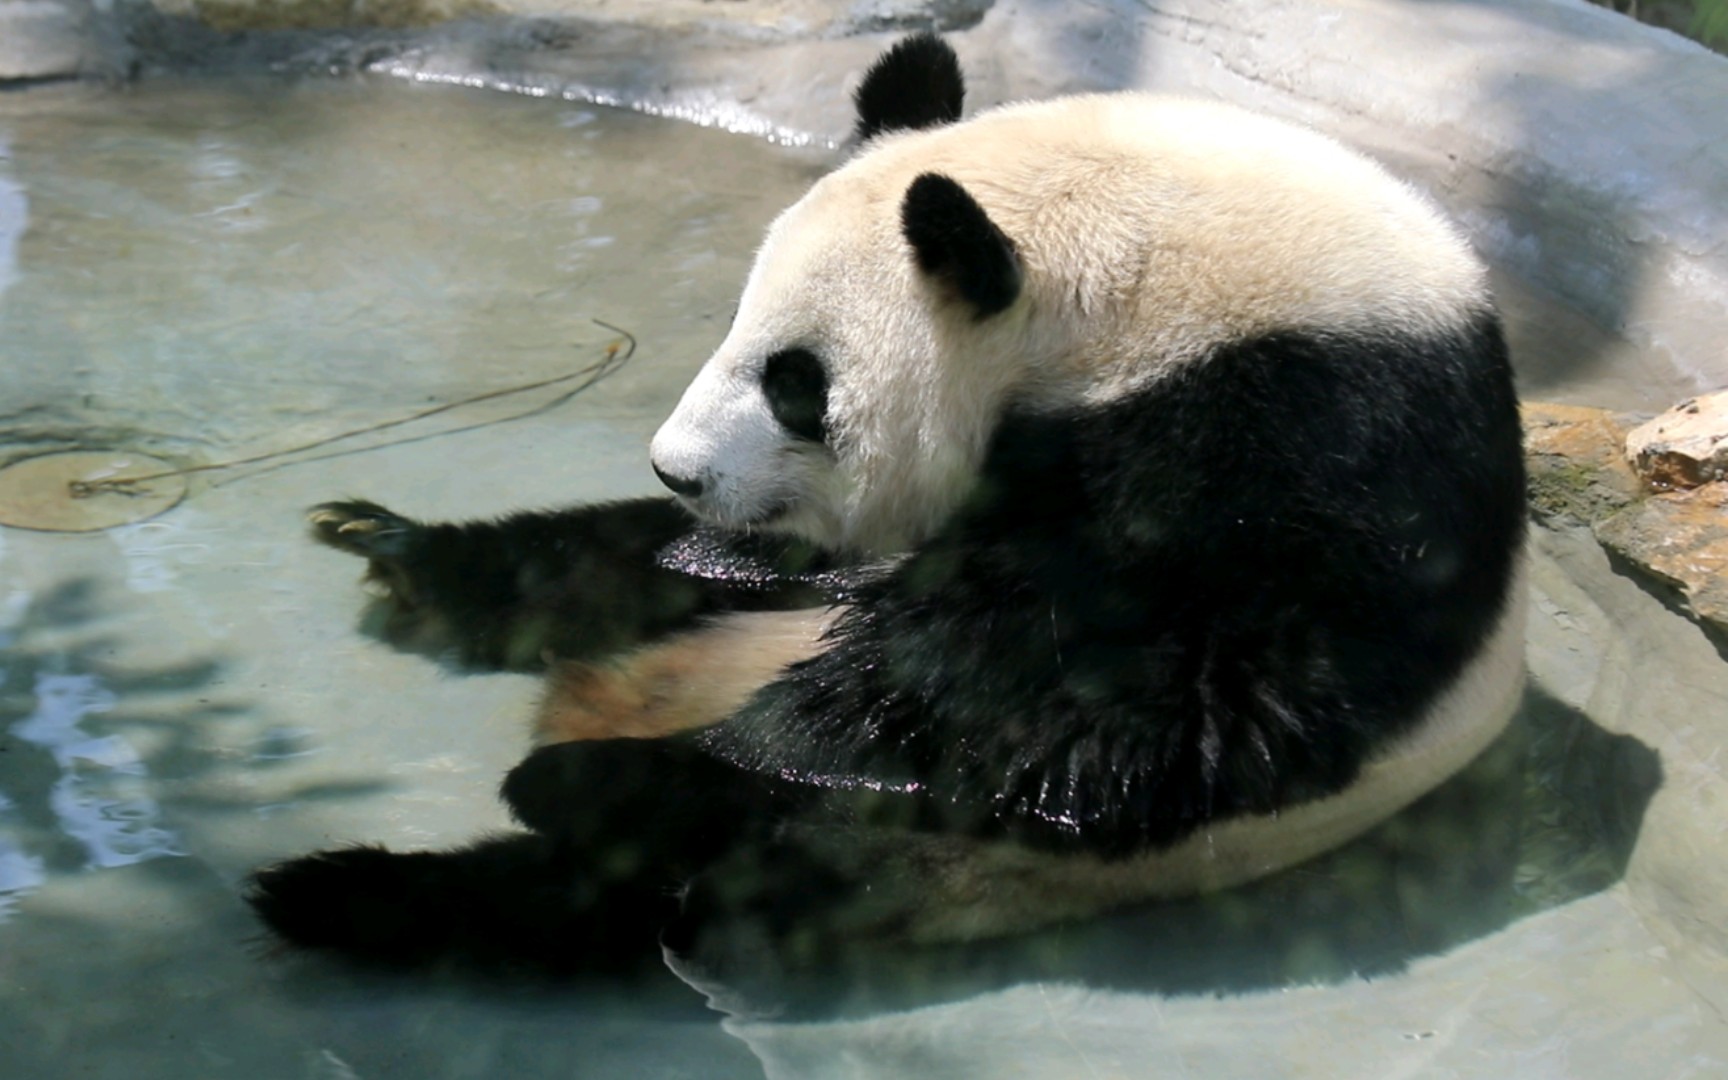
x,y
1096,500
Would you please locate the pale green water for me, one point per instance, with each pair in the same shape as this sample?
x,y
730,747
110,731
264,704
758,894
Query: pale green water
x,y
214,270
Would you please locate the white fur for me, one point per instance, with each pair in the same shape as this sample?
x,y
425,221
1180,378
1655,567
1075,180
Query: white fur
x,y
1151,229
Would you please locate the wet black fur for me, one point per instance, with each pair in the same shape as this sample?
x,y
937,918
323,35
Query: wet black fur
x,y
1215,597
915,84
505,904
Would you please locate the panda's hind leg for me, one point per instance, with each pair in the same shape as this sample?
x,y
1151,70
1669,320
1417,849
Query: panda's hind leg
x,y
508,903
618,826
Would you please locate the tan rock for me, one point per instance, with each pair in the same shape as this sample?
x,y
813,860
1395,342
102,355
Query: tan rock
x,y
1579,472
1680,538
1685,446
1574,455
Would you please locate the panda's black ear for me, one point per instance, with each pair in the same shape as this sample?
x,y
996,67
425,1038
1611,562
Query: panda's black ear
x,y
954,239
915,84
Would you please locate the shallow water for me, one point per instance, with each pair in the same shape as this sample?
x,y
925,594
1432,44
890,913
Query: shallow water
x,y
211,271
228,266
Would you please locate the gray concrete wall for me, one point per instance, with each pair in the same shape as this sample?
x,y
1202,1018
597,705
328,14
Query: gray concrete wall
x,y
45,39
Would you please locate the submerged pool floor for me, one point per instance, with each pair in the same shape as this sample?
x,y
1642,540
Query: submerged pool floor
x,y
210,272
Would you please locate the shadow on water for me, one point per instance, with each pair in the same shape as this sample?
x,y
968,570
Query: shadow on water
x,y
122,938
97,759
1548,815
71,720
1671,597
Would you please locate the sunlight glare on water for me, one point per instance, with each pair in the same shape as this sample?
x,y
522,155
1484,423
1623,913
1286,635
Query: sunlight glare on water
x,y
101,797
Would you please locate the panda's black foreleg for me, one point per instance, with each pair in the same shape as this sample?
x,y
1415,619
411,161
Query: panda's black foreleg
x,y
517,591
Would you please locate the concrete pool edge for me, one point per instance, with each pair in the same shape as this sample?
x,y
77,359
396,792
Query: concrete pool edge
x,y
1583,151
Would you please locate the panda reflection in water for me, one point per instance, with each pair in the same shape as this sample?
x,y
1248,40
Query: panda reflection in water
x,y
1097,500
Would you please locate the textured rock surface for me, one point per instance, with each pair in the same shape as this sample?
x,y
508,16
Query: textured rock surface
x,y
1685,446
1579,476
736,20
1577,472
241,15
1680,538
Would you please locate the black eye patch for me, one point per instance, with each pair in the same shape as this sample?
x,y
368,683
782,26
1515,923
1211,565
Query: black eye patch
x,y
796,386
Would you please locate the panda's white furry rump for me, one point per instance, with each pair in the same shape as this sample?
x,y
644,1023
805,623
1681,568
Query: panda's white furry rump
x,y
1094,500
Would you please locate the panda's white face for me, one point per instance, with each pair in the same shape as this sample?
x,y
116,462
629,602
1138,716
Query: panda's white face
x,y
852,398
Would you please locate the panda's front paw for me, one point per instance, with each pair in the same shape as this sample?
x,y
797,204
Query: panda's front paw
x,y
362,528
387,541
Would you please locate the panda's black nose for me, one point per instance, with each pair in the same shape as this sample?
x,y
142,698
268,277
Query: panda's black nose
x,y
690,489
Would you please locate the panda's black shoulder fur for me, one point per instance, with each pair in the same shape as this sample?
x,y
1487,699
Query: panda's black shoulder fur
x,y
915,84
1218,595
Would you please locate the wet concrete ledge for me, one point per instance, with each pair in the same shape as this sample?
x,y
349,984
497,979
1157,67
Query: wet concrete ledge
x,y
1586,154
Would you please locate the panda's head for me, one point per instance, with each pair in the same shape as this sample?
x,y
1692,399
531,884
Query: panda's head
x,y
851,401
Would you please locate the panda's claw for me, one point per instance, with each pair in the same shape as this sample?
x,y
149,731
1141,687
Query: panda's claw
x,y
360,527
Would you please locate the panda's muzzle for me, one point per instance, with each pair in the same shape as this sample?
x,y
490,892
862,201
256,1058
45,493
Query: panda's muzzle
x,y
679,485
